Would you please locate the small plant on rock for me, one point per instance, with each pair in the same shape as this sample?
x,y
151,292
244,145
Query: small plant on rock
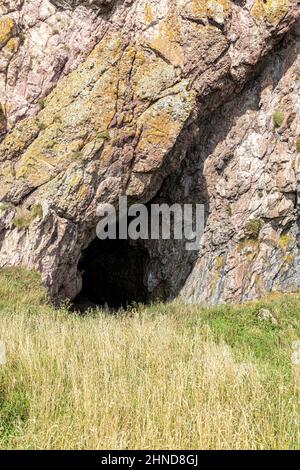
x,y
229,210
4,206
21,221
42,103
37,211
2,115
252,228
22,37
278,118
78,155
25,217
42,126
104,135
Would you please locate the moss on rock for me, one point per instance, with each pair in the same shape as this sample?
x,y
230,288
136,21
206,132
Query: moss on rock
x,y
252,228
278,118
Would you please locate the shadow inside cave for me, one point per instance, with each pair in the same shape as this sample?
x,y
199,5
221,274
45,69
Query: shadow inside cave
x,y
112,275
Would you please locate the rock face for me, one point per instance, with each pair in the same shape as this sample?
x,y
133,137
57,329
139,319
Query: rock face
x,y
245,167
165,100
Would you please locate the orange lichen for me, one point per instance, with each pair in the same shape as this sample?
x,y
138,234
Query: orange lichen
x,y
7,30
271,11
210,8
12,45
167,41
148,13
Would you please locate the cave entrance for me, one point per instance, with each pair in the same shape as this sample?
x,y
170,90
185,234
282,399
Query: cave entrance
x,y
112,273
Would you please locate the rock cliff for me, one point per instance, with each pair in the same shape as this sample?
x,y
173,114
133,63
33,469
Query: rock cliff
x,y
160,100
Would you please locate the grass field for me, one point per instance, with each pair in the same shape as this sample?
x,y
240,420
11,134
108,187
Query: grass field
x,y
166,376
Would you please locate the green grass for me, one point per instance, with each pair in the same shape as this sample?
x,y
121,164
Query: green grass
x,y
37,211
78,155
164,376
104,135
5,206
25,217
42,103
278,118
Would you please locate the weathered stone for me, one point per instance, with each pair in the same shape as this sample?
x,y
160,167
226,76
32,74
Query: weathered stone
x,y
106,98
265,315
251,191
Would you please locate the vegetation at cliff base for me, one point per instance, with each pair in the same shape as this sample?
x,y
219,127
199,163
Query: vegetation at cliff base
x,y
164,376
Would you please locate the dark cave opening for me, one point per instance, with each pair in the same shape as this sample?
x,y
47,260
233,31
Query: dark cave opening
x,y
112,274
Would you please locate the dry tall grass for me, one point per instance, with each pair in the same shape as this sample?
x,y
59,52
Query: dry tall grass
x,y
162,377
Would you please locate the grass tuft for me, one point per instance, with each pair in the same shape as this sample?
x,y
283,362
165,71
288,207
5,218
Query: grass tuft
x,y
164,376
37,211
278,118
252,228
42,103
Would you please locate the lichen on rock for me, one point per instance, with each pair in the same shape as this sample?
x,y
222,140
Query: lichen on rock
x,y
107,98
271,11
7,30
